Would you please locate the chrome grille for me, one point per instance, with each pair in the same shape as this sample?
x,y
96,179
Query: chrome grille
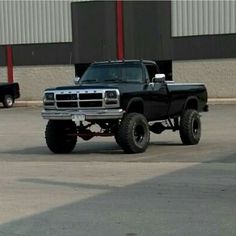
x,y
91,104
72,100
67,104
88,96
66,97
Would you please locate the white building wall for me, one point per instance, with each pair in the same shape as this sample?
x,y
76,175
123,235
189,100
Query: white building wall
x,y
33,80
217,74
3,74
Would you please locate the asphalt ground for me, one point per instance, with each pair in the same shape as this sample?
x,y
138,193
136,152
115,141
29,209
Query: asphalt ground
x,y
170,189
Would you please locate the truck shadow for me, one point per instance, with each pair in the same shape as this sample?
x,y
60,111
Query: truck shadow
x,y
83,148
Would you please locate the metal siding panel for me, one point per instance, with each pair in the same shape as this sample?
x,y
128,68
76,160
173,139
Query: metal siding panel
x,y
227,19
184,17
40,17
67,22
44,22
233,16
216,17
48,22
56,22
190,22
6,32
203,17
200,17
26,20
174,19
222,17
35,21
100,31
2,21
68,26
195,18
14,21
32,22
180,19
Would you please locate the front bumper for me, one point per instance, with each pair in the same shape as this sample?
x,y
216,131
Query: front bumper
x,y
87,114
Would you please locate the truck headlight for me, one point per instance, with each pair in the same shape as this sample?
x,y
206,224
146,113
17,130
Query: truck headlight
x,y
111,94
49,96
49,100
111,98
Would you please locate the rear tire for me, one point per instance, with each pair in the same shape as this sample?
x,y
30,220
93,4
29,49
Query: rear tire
x,y
61,136
8,101
133,134
190,127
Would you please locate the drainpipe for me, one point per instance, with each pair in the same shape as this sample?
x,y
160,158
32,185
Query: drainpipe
x,y
9,64
120,29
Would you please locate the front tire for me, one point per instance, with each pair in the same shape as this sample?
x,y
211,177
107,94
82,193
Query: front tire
x,y
190,127
61,136
133,134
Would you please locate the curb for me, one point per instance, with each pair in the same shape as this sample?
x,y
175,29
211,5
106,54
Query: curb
x,y
211,101
221,101
28,104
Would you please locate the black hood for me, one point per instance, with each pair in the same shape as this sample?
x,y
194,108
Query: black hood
x,y
123,87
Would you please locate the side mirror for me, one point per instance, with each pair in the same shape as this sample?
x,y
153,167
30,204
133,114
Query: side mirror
x,y
159,78
76,80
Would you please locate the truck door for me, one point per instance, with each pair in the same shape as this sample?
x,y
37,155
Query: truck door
x,y
158,96
161,101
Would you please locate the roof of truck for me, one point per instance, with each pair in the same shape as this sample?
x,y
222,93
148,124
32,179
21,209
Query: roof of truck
x,y
126,61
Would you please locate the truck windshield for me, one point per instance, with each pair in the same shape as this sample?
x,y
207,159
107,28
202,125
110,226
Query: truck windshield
x,y
113,73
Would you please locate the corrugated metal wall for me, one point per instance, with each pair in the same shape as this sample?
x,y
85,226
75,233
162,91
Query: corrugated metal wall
x,y
35,21
203,17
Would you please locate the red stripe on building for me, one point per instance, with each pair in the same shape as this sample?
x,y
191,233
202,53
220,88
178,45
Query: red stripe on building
x,y
9,64
120,30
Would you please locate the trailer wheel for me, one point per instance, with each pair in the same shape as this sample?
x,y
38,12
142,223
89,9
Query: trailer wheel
x,y
60,136
8,101
190,127
133,134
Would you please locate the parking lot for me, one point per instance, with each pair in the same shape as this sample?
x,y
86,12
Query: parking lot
x,y
170,189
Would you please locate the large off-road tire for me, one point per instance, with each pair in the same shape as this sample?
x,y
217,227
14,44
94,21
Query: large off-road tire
x,y
60,136
190,127
133,134
8,101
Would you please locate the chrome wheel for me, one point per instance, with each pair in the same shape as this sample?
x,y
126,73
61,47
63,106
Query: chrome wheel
x,y
8,101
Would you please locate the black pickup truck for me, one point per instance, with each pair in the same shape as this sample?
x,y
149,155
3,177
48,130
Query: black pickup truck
x,y
127,99
8,93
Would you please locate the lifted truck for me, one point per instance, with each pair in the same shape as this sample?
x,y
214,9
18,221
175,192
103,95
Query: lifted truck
x,y
127,99
8,94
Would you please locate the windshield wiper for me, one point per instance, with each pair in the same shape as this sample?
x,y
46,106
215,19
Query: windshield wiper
x,y
113,80
89,81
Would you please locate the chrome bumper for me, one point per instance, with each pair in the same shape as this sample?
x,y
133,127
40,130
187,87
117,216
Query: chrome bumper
x,y
88,114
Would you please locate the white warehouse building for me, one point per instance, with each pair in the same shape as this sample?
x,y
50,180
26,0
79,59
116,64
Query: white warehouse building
x,y
44,43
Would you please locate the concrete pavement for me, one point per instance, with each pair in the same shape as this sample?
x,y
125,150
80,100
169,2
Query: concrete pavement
x,y
171,189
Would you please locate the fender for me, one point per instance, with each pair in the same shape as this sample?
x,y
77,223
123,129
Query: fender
x,y
189,100
133,100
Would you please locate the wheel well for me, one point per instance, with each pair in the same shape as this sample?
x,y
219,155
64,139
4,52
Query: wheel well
x,y
136,106
191,104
